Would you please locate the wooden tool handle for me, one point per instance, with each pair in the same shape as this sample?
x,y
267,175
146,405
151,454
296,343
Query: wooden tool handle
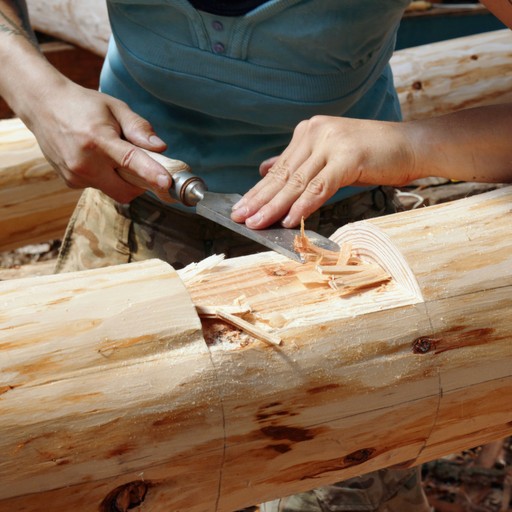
x,y
171,166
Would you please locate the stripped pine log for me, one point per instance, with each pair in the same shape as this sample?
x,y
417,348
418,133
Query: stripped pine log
x,y
447,76
35,205
115,396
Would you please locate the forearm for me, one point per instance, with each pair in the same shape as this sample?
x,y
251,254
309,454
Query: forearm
x,y
23,65
470,145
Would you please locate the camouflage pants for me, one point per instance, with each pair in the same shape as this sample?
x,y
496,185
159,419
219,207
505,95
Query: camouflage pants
x,y
386,490
102,232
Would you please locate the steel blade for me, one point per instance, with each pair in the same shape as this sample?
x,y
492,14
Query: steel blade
x,y
217,207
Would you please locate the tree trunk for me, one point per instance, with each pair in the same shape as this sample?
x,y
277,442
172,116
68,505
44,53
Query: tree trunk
x,y
113,396
35,205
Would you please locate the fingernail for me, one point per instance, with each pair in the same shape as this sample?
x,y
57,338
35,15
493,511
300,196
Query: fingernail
x,y
256,219
286,222
163,181
156,141
240,213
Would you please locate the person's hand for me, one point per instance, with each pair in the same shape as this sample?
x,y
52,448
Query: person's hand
x,y
325,154
87,135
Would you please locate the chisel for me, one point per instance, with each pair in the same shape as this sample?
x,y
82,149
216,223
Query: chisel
x,y
191,190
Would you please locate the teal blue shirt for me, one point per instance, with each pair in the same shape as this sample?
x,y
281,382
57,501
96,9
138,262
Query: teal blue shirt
x,y
225,93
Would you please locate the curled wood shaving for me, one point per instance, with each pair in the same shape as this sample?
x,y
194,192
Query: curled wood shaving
x,y
343,271
309,251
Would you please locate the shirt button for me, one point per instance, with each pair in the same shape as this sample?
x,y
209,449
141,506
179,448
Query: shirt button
x,y
219,48
217,25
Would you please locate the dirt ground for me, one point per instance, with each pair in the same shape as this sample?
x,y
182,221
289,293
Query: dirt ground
x,y
476,480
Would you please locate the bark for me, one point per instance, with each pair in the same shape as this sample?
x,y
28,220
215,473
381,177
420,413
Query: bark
x,y
115,394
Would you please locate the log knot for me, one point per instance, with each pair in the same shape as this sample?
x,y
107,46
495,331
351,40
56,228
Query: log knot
x,y
125,497
358,457
423,344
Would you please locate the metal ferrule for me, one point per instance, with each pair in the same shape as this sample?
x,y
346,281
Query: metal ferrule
x,y
187,188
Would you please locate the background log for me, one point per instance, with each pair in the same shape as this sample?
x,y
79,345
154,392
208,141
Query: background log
x,y
82,23
35,204
110,391
447,76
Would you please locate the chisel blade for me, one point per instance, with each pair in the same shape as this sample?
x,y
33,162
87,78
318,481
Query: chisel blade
x,y
217,207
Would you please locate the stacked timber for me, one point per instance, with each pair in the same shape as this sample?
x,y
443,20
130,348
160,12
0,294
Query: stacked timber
x,y
119,391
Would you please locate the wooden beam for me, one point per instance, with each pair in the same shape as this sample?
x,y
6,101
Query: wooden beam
x,y
447,76
115,394
84,24
35,205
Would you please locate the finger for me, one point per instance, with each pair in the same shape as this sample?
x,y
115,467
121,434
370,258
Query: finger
x,y
106,180
275,179
267,164
277,207
261,193
319,190
149,173
120,190
135,128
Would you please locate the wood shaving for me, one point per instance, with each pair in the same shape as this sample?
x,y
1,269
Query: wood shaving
x,y
342,271
192,273
310,252
229,315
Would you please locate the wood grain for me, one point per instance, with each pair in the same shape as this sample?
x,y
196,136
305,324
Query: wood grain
x,y
35,205
110,389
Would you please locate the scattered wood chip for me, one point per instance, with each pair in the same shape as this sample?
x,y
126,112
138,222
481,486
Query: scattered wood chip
x,y
192,273
228,314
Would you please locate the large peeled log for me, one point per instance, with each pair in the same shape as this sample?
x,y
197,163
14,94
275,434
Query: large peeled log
x,y
114,394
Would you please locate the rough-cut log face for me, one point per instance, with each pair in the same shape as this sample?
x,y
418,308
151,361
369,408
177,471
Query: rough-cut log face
x,y
113,394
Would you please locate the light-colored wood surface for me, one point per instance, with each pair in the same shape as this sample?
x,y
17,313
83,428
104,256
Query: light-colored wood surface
x,y
82,23
107,380
447,76
35,204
